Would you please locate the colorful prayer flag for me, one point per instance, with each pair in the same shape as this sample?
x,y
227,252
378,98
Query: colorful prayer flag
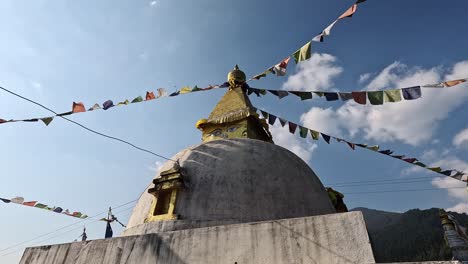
x,y
282,121
326,138
292,127
374,148
271,119
350,12
47,120
31,203
137,99
303,53
264,114
454,82
326,32
303,95
185,90
5,200
107,104
411,93
375,97
280,68
303,131
94,107
345,96
359,97
41,206
126,102
331,96
78,107
351,145
314,134
393,95
57,209
150,96
17,200
162,92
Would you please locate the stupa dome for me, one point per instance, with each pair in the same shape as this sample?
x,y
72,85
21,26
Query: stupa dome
x,y
232,181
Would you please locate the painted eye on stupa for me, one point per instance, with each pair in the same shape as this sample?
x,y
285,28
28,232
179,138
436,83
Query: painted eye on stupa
x,y
216,132
232,129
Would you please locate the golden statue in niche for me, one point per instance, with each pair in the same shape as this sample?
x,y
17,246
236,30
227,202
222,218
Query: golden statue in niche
x,y
234,116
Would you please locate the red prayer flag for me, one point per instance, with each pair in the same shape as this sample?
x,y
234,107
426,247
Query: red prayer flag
x,y
2,121
454,82
349,12
359,97
31,203
150,96
78,107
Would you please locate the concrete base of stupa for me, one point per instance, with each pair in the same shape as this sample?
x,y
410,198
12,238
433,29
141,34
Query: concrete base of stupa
x,y
334,238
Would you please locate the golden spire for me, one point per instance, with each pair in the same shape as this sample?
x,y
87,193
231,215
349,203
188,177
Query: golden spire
x,y
234,116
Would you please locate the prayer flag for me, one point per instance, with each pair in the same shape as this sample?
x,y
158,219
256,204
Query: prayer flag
x,y
351,145
280,68
303,132
454,82
94,107
185,90
31,203
196,89
386,152
31,120
375,97
410,160
47,120
326,32
420,164
314,134
17,200
39,205
261,75
359,97
150,96
279,93
175,93
224,85
83,216
331,96
162,92
126,102
271,119
2,121
5,200
137,99
393,95
76,214
282,121
350,12
411,93
264,114
303,53
446,172
57,209
436,169
345,96
109,232
374,148
362,145
326,137
292,127
78,107
303,95
397,156
319,93
107,104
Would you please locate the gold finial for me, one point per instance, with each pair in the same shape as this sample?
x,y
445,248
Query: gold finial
x,y
236,77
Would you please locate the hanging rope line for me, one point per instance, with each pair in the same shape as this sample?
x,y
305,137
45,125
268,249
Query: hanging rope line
x,y
361,97
66,226
303,132
87,128
406,190
304,53
80,108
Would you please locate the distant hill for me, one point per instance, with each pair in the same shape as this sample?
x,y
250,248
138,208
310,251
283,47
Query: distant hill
x,y
415,235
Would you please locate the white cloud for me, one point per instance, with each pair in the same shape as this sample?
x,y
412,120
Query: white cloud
x,y
301,147
459,208
156,167
461,139
364,77
315,74
411,122
153,3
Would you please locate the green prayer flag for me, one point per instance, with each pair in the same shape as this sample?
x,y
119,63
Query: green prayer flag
x,y
375,97
393,95
315,135
47,120
195,89
137,100
303,53
420,164
436,169
302,95
374,148
39,205
319,94
303,131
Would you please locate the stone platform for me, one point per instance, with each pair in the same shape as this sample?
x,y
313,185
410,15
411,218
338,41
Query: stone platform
x,y
334,238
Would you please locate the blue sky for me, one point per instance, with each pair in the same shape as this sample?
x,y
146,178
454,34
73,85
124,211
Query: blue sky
x,y
57,52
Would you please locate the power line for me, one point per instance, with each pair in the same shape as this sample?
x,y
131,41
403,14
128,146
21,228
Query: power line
x,y
406,190
68,231
87,128
61,228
